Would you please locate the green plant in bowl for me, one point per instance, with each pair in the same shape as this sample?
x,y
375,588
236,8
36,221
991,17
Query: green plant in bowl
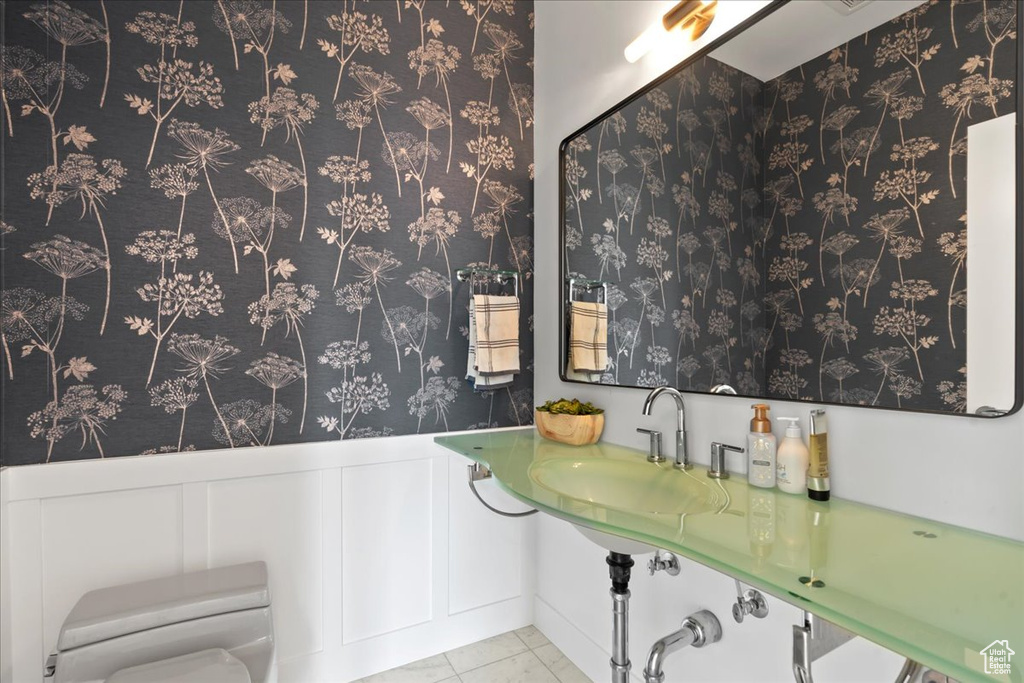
x,y
574,406
570,421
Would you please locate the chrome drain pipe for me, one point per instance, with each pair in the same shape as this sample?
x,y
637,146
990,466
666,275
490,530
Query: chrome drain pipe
x,y
620,637
697,630
619,566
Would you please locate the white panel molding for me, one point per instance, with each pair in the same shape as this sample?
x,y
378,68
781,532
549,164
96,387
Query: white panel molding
x,y
219,507
444,633
99,540
26,552
388,520
277,519
6,656
476,579
332,566
195,530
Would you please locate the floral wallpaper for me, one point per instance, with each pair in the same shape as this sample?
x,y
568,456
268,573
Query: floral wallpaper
x,y
233,223
818,221
866,191
663,201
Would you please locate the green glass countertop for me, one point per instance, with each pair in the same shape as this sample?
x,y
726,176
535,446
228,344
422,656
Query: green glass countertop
x,y
935,593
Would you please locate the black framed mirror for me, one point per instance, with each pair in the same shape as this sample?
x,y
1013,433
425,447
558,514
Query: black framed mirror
x,y
821,205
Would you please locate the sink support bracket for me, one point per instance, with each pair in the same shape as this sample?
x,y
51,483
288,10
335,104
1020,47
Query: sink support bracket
x,y
478,472
619,566
817,637
812,641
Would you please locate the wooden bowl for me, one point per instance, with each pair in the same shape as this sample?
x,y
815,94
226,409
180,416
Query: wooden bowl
x,y
575,430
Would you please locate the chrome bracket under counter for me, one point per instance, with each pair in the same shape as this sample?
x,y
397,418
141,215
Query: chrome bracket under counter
x,y
818,637
812,641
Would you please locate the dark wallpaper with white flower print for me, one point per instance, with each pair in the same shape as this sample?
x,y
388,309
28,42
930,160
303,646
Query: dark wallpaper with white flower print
x,y
663,200
866,187
231,223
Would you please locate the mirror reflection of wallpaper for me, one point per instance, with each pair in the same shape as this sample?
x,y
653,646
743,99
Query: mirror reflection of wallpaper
x,y
663,200
866,186
857,225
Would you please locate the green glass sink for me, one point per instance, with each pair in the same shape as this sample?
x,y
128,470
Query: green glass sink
x,y
936,593
632,486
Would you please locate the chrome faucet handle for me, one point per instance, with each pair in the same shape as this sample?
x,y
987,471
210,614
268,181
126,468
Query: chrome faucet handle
x,y
663,562
717,469
654,454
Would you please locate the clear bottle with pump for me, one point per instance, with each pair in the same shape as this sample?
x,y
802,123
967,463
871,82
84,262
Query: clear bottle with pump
x,y
792,459
761,447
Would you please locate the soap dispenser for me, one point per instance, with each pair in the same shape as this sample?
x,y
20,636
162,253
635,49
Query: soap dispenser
x,y
761,449
792,459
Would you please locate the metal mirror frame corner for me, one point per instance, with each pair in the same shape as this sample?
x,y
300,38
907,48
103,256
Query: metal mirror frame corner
x,y
1018,369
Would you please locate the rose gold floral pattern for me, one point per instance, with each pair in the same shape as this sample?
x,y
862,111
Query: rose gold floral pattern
x,y
160,291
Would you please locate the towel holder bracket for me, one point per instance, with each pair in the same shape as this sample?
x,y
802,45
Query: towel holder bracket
x,y
483,275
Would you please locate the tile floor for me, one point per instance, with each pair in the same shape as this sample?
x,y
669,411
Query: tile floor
x,y
520,656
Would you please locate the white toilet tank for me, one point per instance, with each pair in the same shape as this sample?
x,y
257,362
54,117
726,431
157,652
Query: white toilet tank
x,y
212,625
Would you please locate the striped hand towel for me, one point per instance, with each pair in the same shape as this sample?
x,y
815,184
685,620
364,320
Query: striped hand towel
x,y
497,334
478,382
588,340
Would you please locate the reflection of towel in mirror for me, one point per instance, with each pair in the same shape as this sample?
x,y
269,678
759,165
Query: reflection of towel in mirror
x,y
588,337
477,381
497,334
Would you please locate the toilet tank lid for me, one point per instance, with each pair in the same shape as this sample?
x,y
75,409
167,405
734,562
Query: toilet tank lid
x,y
120,610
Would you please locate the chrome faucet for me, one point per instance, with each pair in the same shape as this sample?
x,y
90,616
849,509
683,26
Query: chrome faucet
x,y
682,455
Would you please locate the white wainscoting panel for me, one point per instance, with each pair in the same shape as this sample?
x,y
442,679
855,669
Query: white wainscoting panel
x,y
6,640
387,547
26,586
375,553
279,520
477,578
101,540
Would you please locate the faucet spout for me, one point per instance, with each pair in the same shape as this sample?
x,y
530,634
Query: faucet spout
x,y
682,454
697,630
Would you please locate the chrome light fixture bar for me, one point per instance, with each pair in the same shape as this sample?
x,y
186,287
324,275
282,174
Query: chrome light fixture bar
x,y
691,18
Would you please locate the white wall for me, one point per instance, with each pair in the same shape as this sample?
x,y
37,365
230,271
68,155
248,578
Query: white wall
x,y
377,553
958,470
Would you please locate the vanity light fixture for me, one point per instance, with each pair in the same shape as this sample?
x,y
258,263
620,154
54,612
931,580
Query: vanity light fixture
x,y
689,17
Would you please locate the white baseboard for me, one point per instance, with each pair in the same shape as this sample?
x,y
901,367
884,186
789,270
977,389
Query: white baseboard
x,y
367,657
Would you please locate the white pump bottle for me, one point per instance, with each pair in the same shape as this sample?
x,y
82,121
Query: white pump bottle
x,y
792,459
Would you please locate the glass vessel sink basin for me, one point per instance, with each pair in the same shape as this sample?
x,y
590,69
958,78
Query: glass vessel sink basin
x,y
626,485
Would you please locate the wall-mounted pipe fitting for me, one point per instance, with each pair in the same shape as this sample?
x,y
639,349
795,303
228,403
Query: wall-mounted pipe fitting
x,y
663,561
698,630
751,602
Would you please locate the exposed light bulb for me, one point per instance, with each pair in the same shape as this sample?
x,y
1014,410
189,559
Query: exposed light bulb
x,y
656,34
645,42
